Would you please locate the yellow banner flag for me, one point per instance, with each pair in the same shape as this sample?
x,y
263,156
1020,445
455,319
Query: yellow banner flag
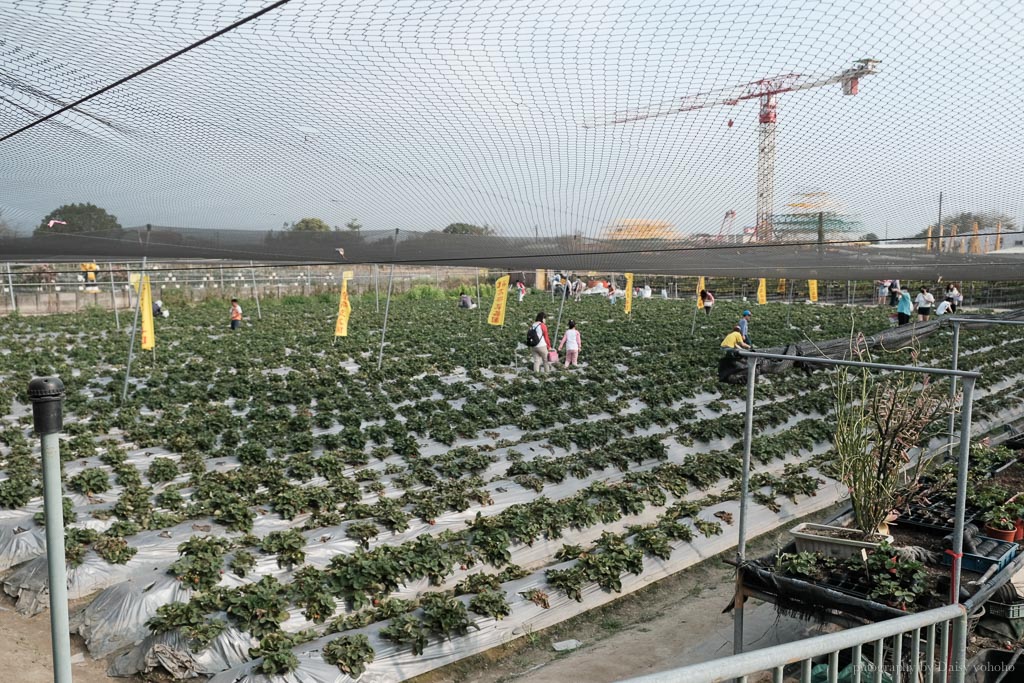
x,y
146,306
812,290
762,291
348,275
629,293
497,314
782,286
134,279
344,311
700,288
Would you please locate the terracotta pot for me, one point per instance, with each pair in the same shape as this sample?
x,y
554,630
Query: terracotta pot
x,y
1020,530
1000,534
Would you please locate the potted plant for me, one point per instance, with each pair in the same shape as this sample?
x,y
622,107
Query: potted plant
x,y
1001,524
879,421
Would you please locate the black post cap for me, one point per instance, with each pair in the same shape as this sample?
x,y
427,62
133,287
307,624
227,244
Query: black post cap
x,y
47,396
43,389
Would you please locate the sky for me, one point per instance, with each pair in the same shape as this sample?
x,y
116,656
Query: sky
x,y
414,114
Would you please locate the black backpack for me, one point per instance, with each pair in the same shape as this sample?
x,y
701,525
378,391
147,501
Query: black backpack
x,y
533,335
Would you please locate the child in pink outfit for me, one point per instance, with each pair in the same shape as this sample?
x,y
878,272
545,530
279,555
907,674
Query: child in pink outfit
x,y
572,343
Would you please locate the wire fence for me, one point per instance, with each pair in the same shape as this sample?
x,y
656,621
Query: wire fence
x,y
36,289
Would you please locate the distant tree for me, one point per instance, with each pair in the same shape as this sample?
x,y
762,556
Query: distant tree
x,y
870,237
467,229
965,221
354,225
310,225
79,218
6,230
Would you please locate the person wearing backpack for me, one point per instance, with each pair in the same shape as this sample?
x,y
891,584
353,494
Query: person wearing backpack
x,y
539,342
573,343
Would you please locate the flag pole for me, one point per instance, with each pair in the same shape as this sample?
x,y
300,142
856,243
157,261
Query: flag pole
x,y
135,329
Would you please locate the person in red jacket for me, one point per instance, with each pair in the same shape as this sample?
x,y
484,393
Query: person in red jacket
x,y
540,350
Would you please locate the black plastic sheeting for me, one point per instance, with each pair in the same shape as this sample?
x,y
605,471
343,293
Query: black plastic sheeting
x,y
835,261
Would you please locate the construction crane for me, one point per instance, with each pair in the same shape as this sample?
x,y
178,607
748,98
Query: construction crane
x,y
767,90
730,218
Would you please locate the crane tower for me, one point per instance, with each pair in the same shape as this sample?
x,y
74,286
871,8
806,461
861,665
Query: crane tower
x,y
767,90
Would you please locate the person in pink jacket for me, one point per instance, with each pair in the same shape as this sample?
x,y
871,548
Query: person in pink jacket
x,y
572,343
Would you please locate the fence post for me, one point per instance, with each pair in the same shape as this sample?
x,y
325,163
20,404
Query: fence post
x,y
47,396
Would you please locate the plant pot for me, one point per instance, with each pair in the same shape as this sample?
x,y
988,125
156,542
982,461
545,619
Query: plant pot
x,y
827,540
1008,535
1020,530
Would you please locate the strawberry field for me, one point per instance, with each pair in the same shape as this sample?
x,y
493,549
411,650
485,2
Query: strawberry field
x,y
267,501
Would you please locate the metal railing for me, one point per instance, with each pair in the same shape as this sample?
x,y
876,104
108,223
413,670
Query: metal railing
x,y
917,647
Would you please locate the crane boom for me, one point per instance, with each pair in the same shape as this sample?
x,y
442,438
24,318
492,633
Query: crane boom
x,y
765,87
767,91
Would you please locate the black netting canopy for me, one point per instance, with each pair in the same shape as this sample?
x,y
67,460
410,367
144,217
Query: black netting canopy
x,y
736,138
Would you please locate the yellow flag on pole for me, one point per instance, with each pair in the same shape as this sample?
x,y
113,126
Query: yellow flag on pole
x,y
344,310
762,291
782,286
700,288
497,314
146,304
812,290
134,279
629,293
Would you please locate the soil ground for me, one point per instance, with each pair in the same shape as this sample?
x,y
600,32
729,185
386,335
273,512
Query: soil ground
x,y
675,622
25,655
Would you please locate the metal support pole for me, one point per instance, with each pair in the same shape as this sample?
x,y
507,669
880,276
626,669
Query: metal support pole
x,y
135,330
47,396
376,284
558,321
255,292
10,287
222,277
952,383
967,405
113,299
741,545
789,309
693,322
387,309
479,301
387,304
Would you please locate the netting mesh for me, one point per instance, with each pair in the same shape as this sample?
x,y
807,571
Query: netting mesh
x,y
418,114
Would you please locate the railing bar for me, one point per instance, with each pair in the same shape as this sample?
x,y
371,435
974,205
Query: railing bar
x,y
915,655
929,658
860,364
833,667
897,656
777,675
879,660
805,671
856,663
944,651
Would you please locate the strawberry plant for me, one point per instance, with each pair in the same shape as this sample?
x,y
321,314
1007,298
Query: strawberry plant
x,y
288,545
275,648
190,619
350,654
113,549
362,532
201,560
90,481
242,563
490,603
161,470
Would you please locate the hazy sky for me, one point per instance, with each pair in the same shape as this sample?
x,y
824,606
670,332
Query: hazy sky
x,y
412,114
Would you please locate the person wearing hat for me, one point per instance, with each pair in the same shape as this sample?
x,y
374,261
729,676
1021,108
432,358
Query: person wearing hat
x,y
743,326
729,363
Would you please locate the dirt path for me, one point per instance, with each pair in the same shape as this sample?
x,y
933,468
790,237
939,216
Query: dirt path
x,y
672,623
25,650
